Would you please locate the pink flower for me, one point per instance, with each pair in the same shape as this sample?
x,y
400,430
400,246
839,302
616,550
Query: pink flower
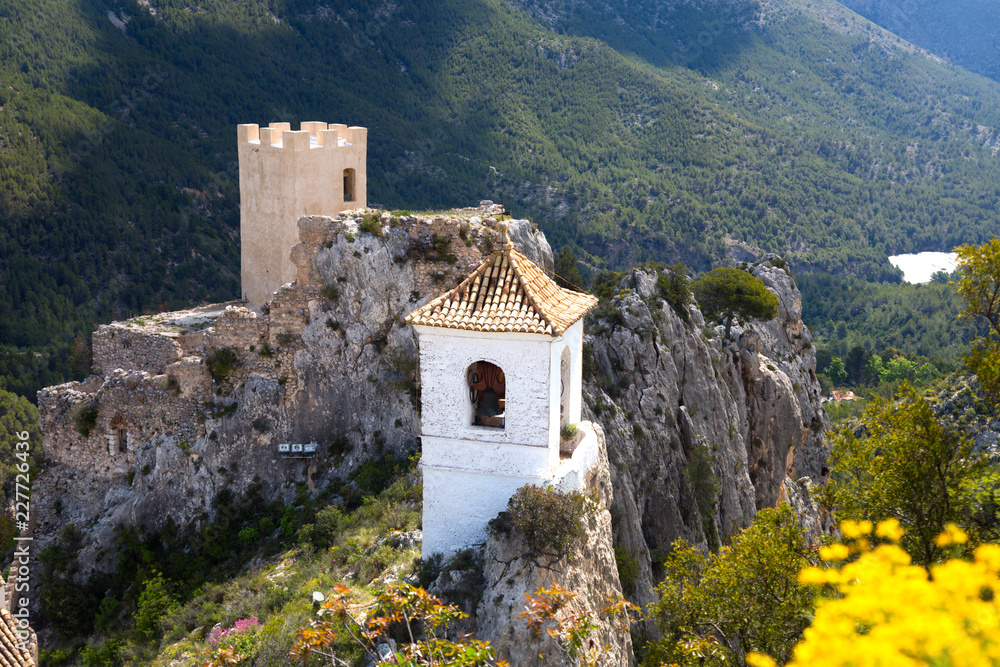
x,y
243,626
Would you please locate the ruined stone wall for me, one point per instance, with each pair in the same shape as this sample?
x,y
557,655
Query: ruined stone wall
x,y
245,333
118,346
125,408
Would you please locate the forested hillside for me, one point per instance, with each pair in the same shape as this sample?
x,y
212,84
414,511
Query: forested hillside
x,y
773,132
965,32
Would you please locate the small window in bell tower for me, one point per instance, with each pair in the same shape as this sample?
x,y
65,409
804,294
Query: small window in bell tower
x,y
487,390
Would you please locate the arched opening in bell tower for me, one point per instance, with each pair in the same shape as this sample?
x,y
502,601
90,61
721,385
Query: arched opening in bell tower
x,y
488,393
564,386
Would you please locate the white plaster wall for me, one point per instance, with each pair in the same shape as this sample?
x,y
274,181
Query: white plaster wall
x,y
285,175
485,457
459,504
446,409
470,472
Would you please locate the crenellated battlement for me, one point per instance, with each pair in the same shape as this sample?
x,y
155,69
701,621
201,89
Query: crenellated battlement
x,y
311,135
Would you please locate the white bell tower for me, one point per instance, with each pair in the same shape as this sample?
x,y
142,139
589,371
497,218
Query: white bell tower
x,y
501,372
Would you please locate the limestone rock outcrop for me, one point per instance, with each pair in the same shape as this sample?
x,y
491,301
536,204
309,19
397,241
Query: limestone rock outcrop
x,y
701,431
511,571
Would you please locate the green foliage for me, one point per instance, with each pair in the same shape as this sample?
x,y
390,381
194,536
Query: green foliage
x,y
979,288
155,602
956,31
330,293
249,535
221,363
744,598
120,194
566,270
441,243
919,322
700,479
568,431
836,371
605,284
904,464
20,443
549,520
373,476
103,654
371,223
195,566
675,288
628,570
85,417
68,606
322,533
728,293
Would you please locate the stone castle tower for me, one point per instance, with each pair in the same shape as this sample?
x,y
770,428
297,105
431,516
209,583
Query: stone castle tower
x,y
284,174
501,372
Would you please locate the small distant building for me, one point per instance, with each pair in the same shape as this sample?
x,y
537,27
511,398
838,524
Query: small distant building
x,y
501,373
285,174
843,395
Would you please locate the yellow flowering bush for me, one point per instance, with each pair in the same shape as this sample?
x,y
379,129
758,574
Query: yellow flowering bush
x,y
886,611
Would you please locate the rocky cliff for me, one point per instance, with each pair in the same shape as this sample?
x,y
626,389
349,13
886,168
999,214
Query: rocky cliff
x,y
702,431
511,570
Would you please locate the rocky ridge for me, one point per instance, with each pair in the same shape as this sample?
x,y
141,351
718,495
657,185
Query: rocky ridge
x,y
702,432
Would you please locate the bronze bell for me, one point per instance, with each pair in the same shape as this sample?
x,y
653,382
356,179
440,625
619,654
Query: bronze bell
x,y
489,404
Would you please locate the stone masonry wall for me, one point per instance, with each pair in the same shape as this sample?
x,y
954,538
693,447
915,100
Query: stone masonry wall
x,y
135,403
117,346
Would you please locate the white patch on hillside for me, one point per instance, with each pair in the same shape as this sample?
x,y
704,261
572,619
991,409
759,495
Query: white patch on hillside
x,y
119,22
919,267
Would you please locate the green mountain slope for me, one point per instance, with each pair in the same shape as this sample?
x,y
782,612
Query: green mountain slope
x,y
919,135
966,32
117,140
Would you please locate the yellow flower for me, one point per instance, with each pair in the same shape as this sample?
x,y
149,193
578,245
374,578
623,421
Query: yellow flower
x,y
890,530
834,552
855,529
760,660
989,556
952,535
892,614
815,575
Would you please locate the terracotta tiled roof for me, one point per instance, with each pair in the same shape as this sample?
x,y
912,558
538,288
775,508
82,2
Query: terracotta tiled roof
x,y
10,654
506,293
